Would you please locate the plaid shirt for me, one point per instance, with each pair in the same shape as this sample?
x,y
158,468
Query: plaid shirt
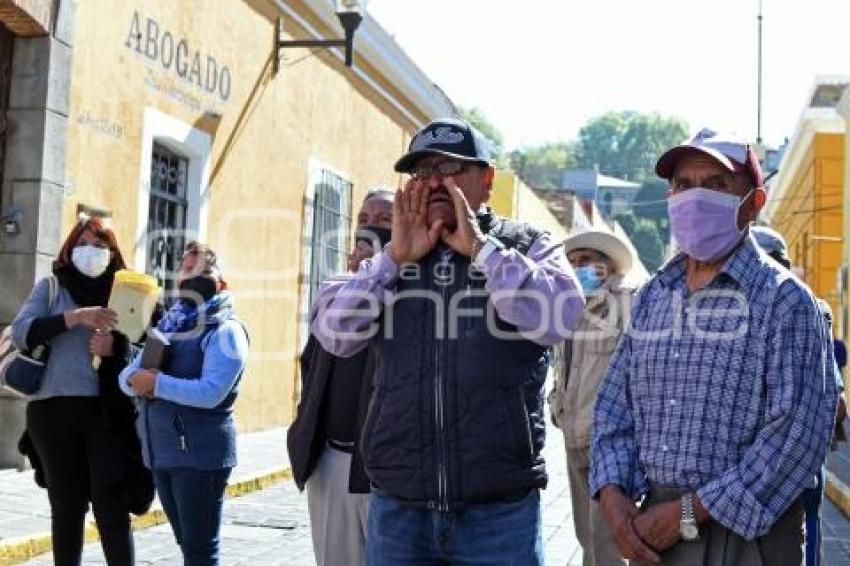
x,y
728,392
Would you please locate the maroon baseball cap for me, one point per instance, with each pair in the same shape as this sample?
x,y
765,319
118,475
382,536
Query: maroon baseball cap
x,y
729,150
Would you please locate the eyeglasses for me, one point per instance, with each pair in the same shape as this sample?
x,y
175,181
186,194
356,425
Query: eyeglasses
x,y
422,171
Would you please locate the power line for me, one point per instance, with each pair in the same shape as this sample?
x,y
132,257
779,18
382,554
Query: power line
x,y
790,216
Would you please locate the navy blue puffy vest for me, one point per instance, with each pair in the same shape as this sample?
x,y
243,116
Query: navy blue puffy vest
x,y
177,436
457,412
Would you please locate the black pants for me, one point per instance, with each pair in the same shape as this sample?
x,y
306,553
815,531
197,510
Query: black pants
x,y
70,439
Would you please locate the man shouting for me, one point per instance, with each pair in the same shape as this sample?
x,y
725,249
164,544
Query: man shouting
x,y
461,308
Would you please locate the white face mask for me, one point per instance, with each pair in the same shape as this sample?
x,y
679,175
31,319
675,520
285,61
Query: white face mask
x,y
90,261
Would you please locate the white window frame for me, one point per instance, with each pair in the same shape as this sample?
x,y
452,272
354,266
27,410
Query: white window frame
x,y
315,167
191,142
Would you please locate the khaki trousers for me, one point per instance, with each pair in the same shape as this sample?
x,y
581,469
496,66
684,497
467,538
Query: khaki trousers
x,y
338,518
591,530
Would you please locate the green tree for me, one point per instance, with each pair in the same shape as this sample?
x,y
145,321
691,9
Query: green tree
x,y
645,237
626,144
483,124
648,245
628,222
650,204
542,166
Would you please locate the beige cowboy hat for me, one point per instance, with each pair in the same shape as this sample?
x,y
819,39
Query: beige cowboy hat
x,y
609,244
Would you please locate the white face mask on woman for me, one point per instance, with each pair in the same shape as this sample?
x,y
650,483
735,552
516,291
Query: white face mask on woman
x,y
90,260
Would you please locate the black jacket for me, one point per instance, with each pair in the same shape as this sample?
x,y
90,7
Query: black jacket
x,y
457,410
304,439
129,481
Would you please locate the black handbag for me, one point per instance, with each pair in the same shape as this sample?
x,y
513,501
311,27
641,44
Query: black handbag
x,y
23,371
26,371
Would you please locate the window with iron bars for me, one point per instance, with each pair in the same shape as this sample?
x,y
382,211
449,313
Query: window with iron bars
x,y
331,226
166,214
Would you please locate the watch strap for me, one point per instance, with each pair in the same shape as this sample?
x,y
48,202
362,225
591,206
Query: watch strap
x,y
688,508
688,524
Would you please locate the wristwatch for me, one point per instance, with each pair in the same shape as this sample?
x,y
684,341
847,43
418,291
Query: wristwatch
x,y
688,525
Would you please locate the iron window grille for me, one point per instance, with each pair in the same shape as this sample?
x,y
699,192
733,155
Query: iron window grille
x,y
166,214
331,227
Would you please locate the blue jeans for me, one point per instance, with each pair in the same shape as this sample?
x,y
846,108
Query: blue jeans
x,y
481,534
192,501
812,499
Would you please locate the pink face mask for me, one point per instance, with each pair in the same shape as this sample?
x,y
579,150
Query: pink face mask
x,y
705,222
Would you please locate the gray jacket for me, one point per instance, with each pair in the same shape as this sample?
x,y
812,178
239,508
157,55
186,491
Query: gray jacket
x,y
69,369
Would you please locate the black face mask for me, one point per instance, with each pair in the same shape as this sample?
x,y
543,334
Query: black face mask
x,y
368,234
201,285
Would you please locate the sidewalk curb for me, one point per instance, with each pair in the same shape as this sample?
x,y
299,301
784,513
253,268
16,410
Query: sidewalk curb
x,y
838,492
17,550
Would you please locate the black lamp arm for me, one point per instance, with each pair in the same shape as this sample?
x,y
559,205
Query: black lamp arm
x,y
350,22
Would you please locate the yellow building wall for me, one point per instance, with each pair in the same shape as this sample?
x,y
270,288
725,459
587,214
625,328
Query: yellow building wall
x,y
844,318
511,198
534,211
810,216
503,198
269,128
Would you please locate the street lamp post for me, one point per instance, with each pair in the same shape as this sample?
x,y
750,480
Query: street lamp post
x,y
350,14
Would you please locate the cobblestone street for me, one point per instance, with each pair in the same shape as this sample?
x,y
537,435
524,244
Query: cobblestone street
x,y
270,527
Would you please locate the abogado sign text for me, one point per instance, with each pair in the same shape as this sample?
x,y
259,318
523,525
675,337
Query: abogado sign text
x,y
160,45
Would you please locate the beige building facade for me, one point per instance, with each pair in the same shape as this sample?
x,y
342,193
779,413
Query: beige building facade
x,y
172,122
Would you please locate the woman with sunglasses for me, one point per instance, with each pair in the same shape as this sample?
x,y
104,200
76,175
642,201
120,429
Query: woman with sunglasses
x,y
186,404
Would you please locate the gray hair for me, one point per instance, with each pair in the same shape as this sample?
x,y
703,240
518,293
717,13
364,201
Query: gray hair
x,y
380,191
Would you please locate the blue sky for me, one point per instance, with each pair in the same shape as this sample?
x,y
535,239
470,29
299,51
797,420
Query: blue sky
x,y
539,69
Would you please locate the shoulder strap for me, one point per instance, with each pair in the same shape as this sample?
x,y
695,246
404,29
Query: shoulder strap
x,y
54,291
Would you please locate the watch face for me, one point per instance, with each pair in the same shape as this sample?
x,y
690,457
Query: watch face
x,y
689,531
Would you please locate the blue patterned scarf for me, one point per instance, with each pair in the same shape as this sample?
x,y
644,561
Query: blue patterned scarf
x,y
184,316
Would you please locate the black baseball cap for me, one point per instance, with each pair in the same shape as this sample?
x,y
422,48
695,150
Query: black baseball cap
x,y
446,136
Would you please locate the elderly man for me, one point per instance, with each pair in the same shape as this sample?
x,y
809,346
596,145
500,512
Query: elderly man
x,y
600,260
322,440
719,401
466,306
